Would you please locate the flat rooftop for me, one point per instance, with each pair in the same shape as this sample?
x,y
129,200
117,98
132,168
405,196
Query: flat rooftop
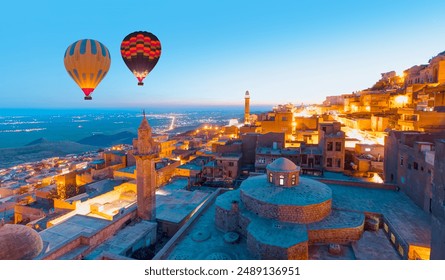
x,y
123,240
128,169
57,236
411,222
190,166
103,186
174,203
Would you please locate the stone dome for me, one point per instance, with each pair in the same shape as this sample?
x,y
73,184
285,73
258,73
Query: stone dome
x,y
19,242
282,165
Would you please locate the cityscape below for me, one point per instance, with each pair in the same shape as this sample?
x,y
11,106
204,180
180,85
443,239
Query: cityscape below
x,y
358,177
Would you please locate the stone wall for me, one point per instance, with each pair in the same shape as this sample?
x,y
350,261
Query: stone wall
x,y
335,235
164,174
360,184
227,220
26,213
373,221
106,172
288,213
267,252
438,204
243,223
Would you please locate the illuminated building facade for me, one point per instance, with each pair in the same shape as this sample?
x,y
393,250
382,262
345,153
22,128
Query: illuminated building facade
x,y
332,143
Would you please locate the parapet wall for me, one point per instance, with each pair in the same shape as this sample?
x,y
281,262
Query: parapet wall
x,y
268,252
335,235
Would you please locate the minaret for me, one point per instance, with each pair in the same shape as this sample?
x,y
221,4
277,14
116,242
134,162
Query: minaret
x,y
247,108
145,151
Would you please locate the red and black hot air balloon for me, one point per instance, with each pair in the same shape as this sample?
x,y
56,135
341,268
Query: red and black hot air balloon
x,y
141,51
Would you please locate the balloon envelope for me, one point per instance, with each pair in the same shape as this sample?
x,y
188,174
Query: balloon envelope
x,y
87,62
141,51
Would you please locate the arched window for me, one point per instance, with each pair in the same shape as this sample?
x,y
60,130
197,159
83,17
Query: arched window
x,y
270,177
281,180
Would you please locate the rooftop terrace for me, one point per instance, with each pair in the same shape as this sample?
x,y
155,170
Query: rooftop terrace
x,y
412,225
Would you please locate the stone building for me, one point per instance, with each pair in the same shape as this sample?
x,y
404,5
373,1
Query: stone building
x,y
428,121
438,204
433,72
332,143
281,214
409,163
281,119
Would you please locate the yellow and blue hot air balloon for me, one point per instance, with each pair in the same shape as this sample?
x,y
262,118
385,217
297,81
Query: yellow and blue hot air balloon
x,y
87,61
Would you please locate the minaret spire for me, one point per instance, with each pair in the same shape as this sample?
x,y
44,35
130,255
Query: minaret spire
x,y
247,108
145,151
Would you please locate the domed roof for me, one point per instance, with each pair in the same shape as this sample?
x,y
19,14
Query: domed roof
x,y
282,165
19,242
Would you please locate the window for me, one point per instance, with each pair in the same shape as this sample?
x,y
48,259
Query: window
x,y
323,128
338,162
231,164
409,166
338,146
261,160
317,160
329,146
271,177
281,180
401,161
416,166
304,159
329,162
293,179
283,119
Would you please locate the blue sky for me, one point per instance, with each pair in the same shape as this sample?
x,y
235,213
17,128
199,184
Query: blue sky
x,y
213,51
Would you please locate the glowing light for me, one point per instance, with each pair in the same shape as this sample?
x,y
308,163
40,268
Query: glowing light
x,y
368,108
381,140
401,77
401,99
376,179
